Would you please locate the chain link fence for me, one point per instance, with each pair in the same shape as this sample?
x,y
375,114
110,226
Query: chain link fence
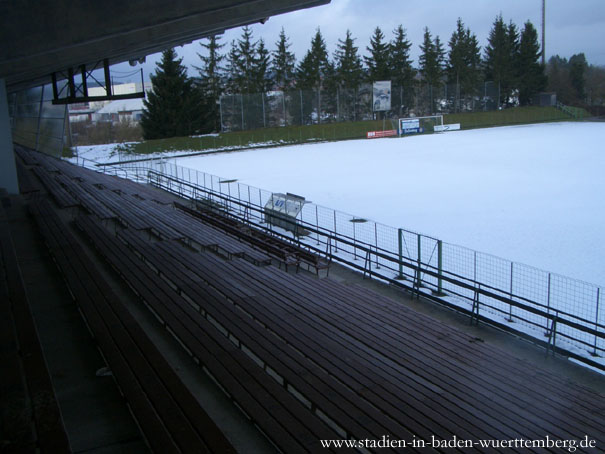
x,y
562,312
306,107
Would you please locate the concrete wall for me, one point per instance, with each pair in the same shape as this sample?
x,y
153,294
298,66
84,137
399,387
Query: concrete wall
x,y
8,170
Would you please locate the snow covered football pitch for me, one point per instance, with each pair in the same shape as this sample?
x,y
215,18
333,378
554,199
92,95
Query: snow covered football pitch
x,y
533,194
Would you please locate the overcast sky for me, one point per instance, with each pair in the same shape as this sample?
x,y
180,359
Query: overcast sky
x,y
572,26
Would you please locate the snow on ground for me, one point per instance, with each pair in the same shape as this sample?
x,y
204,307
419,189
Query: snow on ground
x,y
89,155
532,194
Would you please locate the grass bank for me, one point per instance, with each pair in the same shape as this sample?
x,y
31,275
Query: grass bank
x,y
339,131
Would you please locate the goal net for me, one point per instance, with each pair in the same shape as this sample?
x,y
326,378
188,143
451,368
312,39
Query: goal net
x,y
414,125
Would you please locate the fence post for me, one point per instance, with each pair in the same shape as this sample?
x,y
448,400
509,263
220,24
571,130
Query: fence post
x,y
220,108
418,277
400,242
241,99
337,103
262,97
301,108
335,235
260,204
376,243
354,242
596,321
283,102
510,306
317,223
547,303
440,267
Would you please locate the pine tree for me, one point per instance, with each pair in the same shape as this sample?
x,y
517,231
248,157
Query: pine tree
x,y
559,80
283,63
431,59
378,61
530,72
512,37
577,74
440,59
242,64
262,81
233,79
315,66
501,56
347,63
306,77
315,71
211,81
431,62
174,107
400,69
464,60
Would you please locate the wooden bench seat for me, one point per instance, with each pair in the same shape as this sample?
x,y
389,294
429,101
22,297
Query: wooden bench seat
x,y
63,198
87,200
268,305
27,184
169,416
129,211
28,156
240,289
455,370
386,361
116,183
281,417
202,236
323,393
47,162
286,252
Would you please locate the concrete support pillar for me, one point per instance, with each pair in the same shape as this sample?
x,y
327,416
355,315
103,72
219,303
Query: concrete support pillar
x,y
8,169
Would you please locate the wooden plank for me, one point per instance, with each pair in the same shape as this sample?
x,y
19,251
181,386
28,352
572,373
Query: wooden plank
x,y
90,203
332,327
63,198
507,393
88,296
221,283
236,372
130,350
26,183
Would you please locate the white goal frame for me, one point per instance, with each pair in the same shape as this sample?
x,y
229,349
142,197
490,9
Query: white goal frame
x,y
401,123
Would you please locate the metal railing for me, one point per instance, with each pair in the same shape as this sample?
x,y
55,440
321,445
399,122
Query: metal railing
x,y
561,313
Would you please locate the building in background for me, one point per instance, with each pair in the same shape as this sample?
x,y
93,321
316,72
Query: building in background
x,y
115,111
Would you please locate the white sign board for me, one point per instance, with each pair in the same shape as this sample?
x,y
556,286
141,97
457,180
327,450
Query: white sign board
x,y
444,128
412,123
382,95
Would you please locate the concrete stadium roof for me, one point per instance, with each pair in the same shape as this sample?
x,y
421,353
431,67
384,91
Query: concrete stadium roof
x,y
38,38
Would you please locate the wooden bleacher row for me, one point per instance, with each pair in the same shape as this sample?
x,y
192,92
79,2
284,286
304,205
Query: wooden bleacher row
x,y
170,417
336,328
359,364
287,422
30,419
110,197
53,165
66,182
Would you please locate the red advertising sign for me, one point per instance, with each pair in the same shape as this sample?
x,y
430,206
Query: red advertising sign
x,y
377,134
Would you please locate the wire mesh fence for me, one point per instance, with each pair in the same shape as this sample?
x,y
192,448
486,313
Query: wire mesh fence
x,y
341,104
563,311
